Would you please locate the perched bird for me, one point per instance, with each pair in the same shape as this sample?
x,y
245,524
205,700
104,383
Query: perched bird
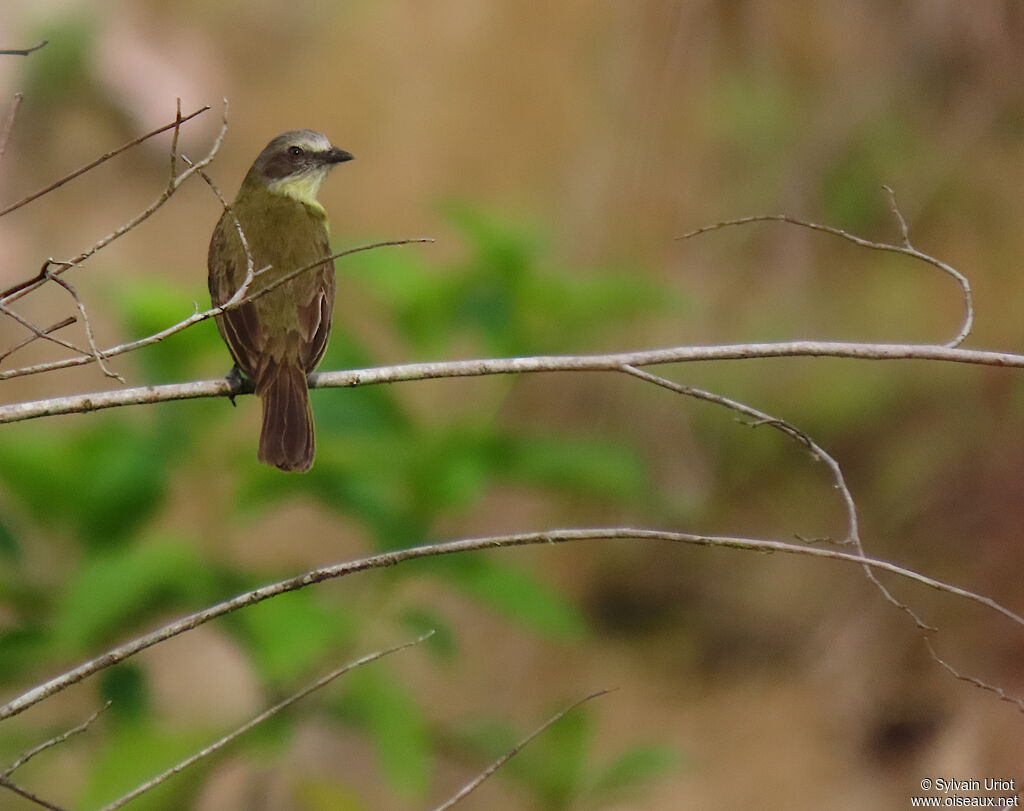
x,y
278,338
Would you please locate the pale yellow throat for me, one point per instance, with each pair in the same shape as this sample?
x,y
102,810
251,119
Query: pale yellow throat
x,y
303,188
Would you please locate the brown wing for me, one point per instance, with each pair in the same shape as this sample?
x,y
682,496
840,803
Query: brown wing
x,y
239,326
315,315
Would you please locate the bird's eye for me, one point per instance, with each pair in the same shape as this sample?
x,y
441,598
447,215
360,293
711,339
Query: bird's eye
x,y
295,150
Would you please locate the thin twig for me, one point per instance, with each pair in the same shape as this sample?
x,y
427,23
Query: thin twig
x,y
999,692
65,322
174,138
906,249
817,453
486,773
235,301
38,332
31,753
28,795
95,350
395,557
432,370
24,52
22,288
100,160
259,719
250,265
5,133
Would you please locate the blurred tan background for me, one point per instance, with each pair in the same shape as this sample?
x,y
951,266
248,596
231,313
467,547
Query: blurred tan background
x,y
610,129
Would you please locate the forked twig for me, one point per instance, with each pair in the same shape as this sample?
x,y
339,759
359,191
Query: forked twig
x,y
94,348
24,201
58,739
38,332
24,287
64,322
817,453
905,248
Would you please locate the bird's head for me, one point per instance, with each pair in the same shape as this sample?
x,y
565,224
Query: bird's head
x,y
295,163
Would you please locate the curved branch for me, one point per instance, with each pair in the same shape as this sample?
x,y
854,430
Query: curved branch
x,y
818,453
431,370
905,248
393,558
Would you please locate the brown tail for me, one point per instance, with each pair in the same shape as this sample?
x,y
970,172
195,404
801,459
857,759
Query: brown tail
x,y
286,440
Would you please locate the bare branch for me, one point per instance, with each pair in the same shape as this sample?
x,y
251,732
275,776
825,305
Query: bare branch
x,y
906,249
433,370
5,133
486,773
999,692
250,265
94,349
31,753
395,557
22,288
37,332
174,138
65,322
100,160
26,51
817,452
28,795
259,719
236,300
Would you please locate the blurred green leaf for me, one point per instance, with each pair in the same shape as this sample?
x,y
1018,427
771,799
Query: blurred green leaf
x,y
633,770
577,465
148,304
122,587
124,686
552,765
514,592
65,72
443,641
504,292
291,633
392,717
850,189
102,480
557,763
320,794
20,648
10,549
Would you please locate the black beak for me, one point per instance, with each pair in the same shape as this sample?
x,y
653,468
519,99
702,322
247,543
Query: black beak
x,y
335,155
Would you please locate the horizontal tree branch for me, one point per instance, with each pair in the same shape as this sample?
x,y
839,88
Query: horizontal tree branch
x,y
395,557
430,370
241,296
